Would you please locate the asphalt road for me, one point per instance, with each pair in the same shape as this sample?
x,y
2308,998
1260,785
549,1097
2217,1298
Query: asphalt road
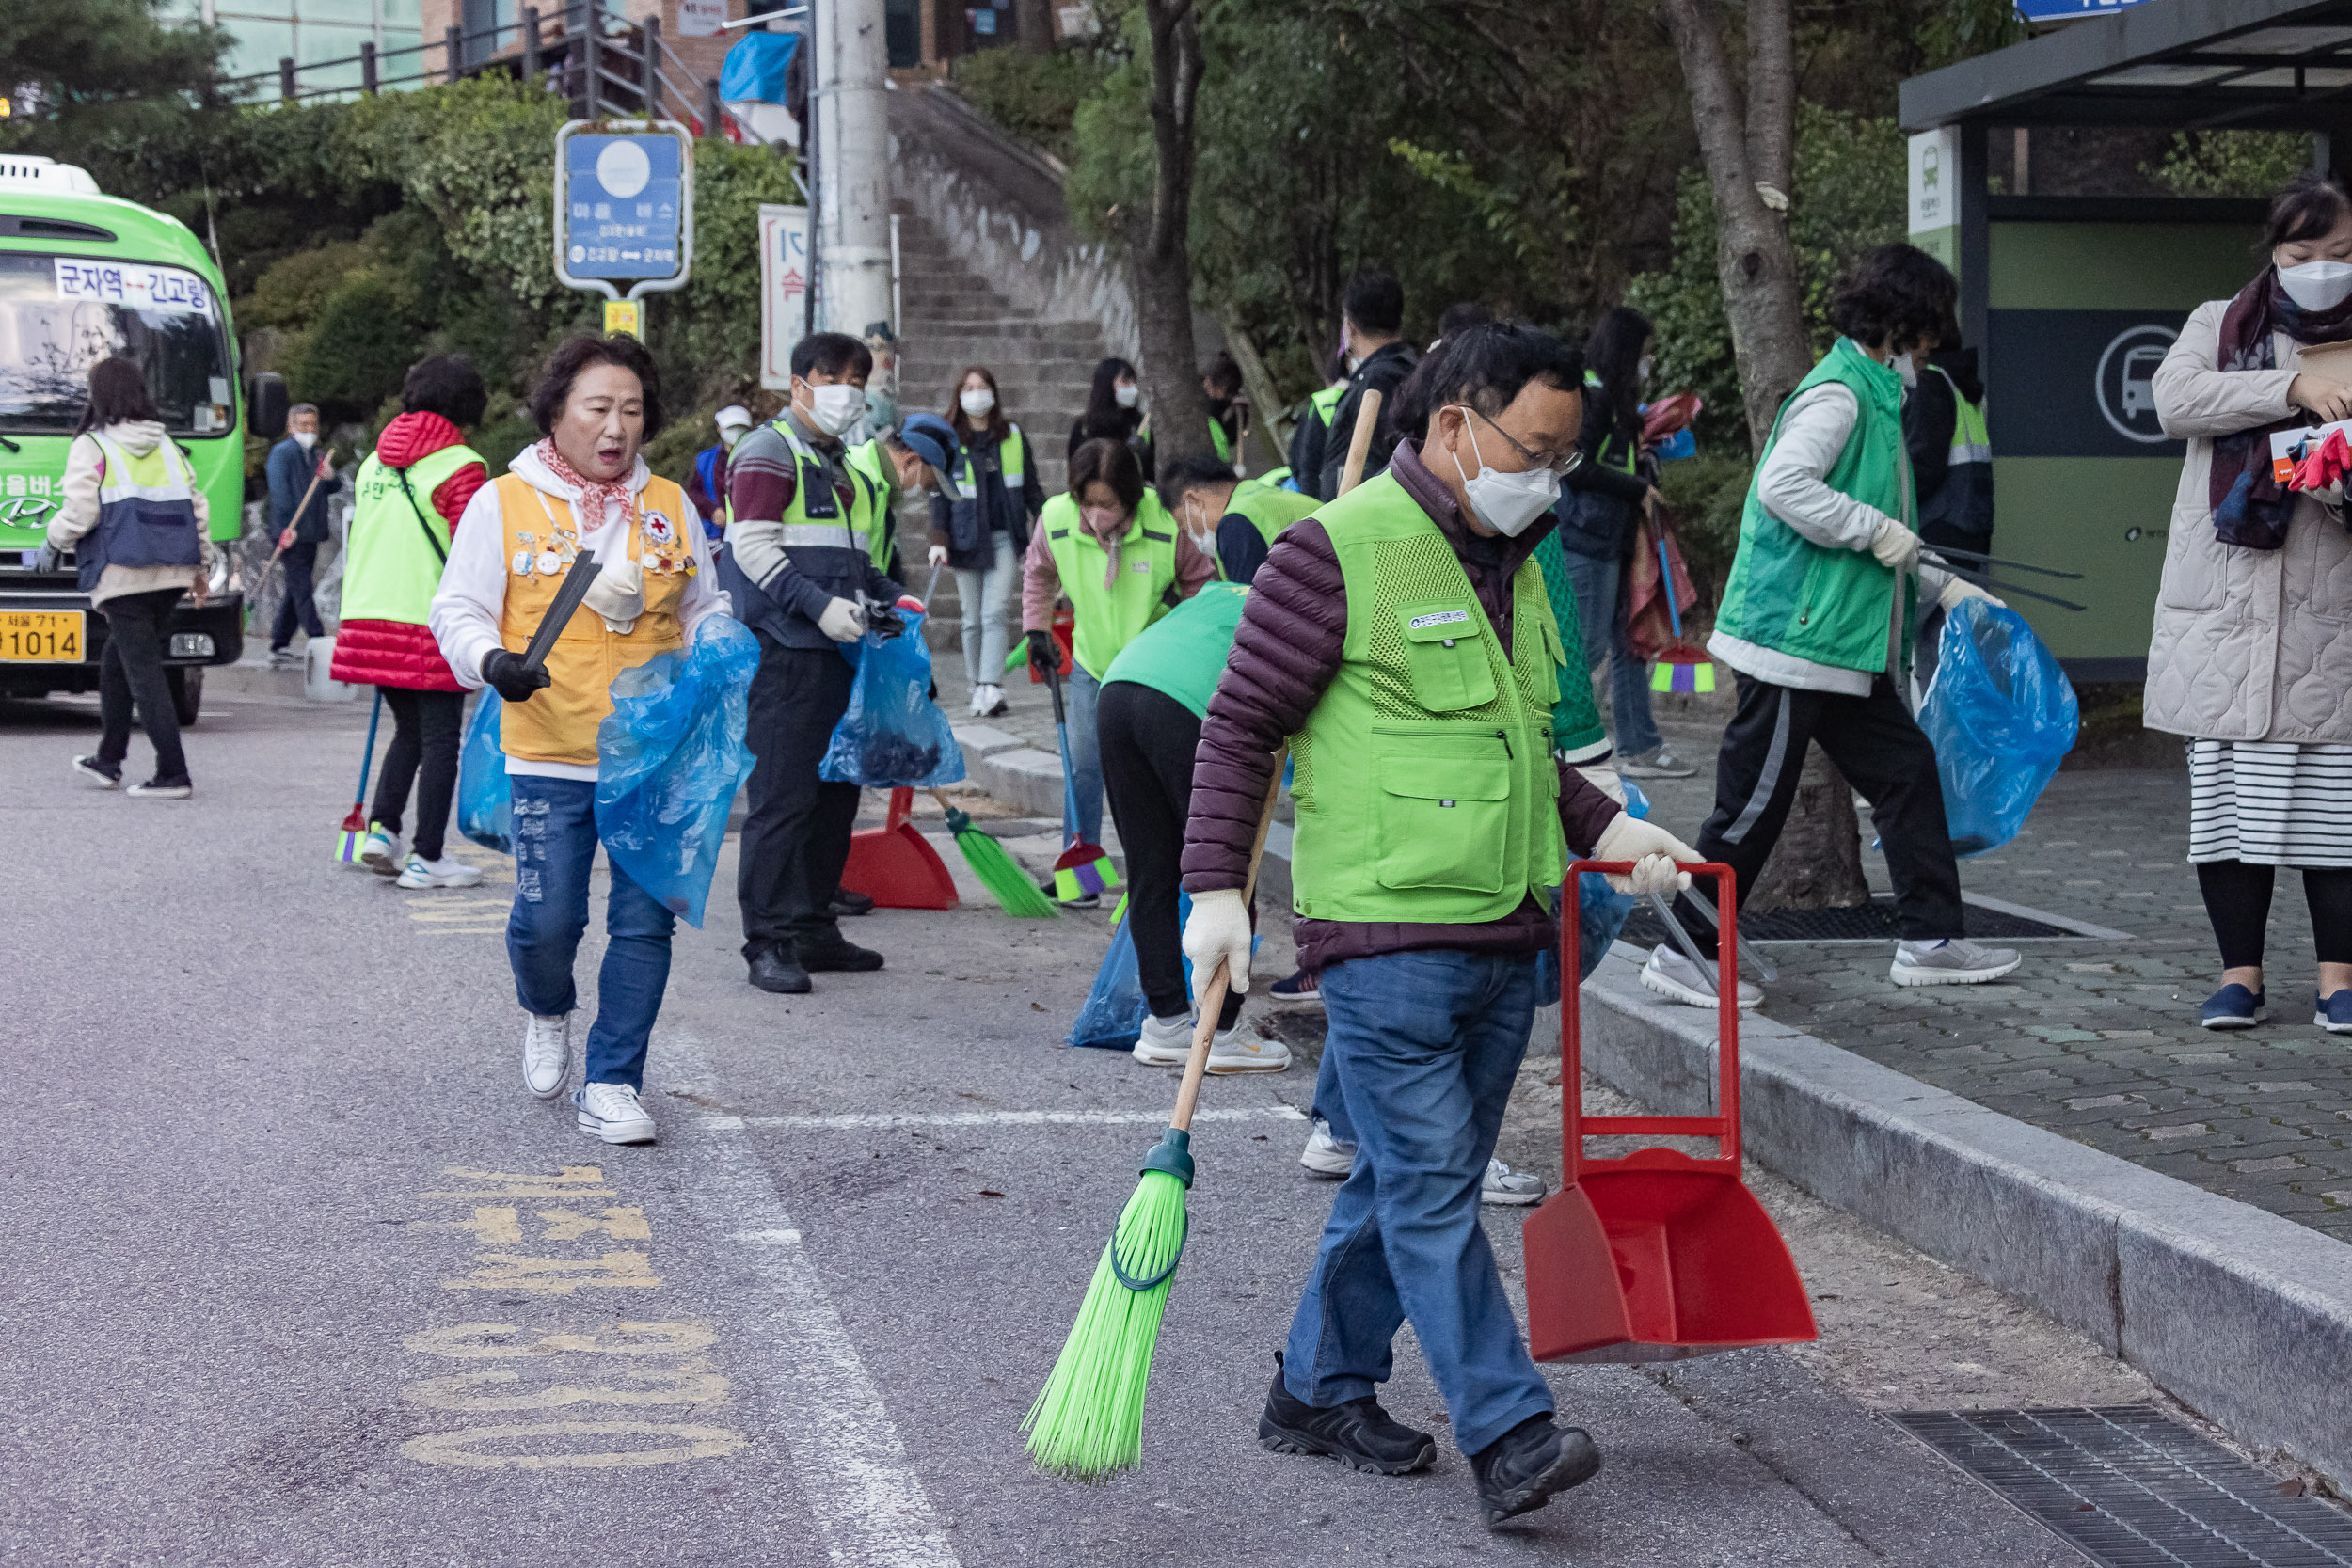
x,y
297,1273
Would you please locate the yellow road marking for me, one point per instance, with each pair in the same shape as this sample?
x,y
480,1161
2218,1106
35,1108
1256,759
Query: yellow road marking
x,y
459,1447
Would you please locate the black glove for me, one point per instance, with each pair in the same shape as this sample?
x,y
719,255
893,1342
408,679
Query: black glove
x,y
504,671
1043,656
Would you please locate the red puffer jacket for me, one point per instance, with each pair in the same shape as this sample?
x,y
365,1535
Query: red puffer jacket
x,y
400,652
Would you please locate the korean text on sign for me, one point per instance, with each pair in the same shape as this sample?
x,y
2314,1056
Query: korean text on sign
x,y
165,290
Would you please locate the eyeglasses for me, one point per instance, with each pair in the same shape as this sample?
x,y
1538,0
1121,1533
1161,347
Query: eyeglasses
x,y
1561,463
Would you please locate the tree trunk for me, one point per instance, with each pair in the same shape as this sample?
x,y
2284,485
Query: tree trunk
x,y
1748,153
1171,374
1033,26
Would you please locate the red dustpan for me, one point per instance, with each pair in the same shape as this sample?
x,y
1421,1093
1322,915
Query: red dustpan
x,y
1656,1256
896,867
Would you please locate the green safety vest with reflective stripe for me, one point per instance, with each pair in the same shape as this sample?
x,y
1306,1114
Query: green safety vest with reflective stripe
x,y
871,468
1012,459
1964,504
1425,786
1269,509
391,569
823,526
1109,615
146,513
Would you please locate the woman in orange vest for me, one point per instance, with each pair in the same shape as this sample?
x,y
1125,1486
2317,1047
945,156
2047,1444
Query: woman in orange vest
x,y
582,487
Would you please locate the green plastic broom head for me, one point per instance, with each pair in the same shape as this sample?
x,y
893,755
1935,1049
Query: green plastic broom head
x,y
997,871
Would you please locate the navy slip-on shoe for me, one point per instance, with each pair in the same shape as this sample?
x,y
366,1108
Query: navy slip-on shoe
x,y
2334,1013
2236,1007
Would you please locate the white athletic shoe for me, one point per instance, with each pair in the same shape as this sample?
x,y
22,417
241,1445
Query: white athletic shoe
x,y
380,850
1674,977
446,872
611,1113
1510,1187
1242,1049
1955,962
1325,1154
546,1053
1165,1041
997,708
979,701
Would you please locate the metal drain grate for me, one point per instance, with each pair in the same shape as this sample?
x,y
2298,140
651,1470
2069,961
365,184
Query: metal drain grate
x,y
2131,1488
1872,922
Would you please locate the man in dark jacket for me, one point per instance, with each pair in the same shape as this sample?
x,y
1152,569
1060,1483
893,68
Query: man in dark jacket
x,y
1951,463
1425,846
300,526
1374,310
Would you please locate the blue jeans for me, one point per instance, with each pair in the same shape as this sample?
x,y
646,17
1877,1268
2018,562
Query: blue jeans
x,y
1600,610
555,846
1078,695
1330,1106
1426,1047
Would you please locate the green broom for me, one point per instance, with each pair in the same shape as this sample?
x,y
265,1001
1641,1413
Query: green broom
x,y
1088,1422
996,870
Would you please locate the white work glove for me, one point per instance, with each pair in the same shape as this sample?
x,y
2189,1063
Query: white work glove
x,y
1603,776
1895,546
842,621
1652,850
939,555
1220,928
1959,591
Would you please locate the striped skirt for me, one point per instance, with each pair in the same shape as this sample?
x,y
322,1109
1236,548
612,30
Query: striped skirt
x,y
2270,803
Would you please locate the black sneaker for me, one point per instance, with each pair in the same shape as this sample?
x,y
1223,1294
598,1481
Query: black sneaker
x,y
840,954
106,775
773,969
161,788
847,903
1359,1434
1519,1471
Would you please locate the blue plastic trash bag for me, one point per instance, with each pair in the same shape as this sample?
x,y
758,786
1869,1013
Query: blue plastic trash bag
x,y
893,736
485,806
1112,1017
669,758
1600,911
2002,715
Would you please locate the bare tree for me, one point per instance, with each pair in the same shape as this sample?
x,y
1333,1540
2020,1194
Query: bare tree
x,y
1033,26
1180,410
1748,149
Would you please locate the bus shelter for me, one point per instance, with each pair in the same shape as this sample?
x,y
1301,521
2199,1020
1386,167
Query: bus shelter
x,y
2071,300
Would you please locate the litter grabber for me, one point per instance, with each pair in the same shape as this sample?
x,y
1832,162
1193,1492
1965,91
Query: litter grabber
x,y
1083,869
1968,573
577,579
355,828
1764,969
1978,561
896,867
1656,1256
1087,1423
997,870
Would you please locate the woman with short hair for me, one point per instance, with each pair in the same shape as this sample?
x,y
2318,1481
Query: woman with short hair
x,y
582,488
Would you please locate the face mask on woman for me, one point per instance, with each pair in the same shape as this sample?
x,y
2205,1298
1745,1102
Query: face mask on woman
x,y
1505,502
1127,393
1100,521
2317,285
977,401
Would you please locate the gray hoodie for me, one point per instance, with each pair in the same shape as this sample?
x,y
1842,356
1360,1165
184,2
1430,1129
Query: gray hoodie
x,y
84,462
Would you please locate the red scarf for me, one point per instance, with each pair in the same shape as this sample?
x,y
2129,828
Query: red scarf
x,y
593,494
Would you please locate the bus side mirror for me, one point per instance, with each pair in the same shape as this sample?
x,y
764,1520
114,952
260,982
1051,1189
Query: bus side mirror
x,y
265,411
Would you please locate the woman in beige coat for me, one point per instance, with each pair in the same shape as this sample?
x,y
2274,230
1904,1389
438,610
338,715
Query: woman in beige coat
x,y
2249,659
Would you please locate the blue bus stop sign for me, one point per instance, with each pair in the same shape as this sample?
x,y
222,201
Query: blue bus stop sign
x,y
2068,10
622,210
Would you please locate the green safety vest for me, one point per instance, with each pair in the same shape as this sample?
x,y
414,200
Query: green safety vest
x,y
1108,618
1326,402
1012,459
1183,654
871,468
1796,597
1218,439
1965,502
1268,509
392,561
1425,785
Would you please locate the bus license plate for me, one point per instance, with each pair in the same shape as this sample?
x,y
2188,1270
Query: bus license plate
x,y
40,636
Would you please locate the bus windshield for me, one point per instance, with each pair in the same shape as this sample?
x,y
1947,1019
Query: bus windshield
x,y
59,315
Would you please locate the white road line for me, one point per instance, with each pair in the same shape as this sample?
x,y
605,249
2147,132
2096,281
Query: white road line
x,y
867,1503
1001,1119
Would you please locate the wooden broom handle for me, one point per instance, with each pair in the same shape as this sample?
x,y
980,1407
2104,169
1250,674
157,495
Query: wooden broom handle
x,y
1213,995
1359,440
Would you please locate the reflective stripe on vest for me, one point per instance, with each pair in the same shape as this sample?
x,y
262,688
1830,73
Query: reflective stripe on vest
x,y
1972,441
389,572
853,534
1012,461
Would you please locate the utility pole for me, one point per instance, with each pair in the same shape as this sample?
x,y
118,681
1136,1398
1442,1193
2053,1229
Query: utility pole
x,y
851,107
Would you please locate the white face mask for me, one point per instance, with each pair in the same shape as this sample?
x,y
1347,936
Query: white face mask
x,y
1505,502
1644,369
306,439
1905,368
977,401
1127,393
2317,285
834,409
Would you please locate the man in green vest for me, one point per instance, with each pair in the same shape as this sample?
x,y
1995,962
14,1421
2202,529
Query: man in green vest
x,y
1816,626
1235,520
1402,642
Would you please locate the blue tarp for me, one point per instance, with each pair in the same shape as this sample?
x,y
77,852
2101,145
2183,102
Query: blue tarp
x,y
754,70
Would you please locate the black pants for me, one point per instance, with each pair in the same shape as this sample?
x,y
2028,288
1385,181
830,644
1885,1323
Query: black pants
x,y
1883,753
132,668
301,601
426,729
796,838
2237,900
1148,738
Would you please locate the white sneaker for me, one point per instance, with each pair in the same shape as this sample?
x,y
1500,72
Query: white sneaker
x,y
1242,1049
1504,1185
1164,1042
380,850
1955,962
979,701
611,1113
997,708
1325,1154
1674,977
446,872
546,1053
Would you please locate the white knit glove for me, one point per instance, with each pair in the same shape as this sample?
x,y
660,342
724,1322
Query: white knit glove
x,y
842,621
1959,591
1652,850
1220,928
938,555
1895,546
